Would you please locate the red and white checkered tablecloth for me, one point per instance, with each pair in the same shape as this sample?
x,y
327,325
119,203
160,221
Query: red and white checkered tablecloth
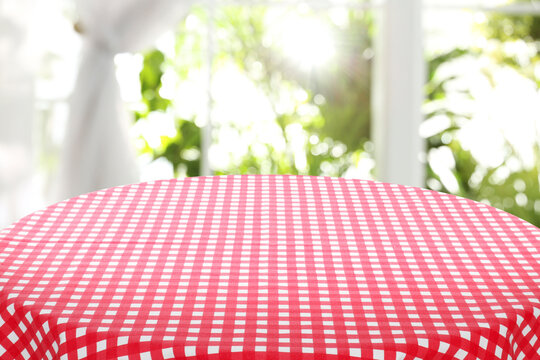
x,y
269,267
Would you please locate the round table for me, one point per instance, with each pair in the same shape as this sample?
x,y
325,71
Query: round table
x,y
269,267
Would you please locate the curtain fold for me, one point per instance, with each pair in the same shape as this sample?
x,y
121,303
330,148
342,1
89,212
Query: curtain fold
x,y
97,152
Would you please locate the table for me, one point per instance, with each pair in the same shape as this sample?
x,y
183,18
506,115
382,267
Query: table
x,y
269,267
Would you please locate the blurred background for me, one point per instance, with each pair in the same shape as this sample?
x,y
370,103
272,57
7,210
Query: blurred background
x,y
439,94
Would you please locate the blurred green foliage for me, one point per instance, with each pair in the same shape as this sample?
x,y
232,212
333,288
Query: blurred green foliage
x,y
501,29
513,185
508,27
150,78
337,95
187,137
339,127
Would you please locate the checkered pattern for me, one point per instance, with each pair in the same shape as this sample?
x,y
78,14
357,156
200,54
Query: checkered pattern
x,y
269,267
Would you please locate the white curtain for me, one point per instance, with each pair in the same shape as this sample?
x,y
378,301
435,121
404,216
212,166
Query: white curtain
x,y
16,111
97,152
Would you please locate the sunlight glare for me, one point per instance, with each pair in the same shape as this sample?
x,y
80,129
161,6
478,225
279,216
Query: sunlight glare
x,y
308,42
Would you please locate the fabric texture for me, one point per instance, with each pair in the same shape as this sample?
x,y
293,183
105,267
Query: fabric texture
x,y
97,152
269,267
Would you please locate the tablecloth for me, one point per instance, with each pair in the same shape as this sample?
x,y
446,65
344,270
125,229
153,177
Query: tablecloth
x,y
269,267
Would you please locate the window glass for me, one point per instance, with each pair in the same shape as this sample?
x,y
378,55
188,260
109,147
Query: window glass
x,y
290,91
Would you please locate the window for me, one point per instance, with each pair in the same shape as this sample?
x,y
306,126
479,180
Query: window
x,y
294,87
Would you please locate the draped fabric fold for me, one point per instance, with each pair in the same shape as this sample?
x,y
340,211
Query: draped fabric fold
x,y
97,152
